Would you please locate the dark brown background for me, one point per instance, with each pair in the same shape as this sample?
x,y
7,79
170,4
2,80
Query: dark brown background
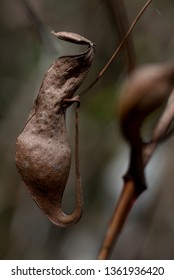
x,y
26,52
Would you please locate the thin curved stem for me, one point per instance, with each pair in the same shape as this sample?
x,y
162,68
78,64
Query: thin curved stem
x,y
119,19
79,195
118,48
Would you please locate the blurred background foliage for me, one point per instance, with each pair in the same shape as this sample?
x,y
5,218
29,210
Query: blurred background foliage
x,y
26,51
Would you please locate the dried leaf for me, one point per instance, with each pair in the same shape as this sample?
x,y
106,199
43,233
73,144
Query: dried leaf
x,y
43,153
73,38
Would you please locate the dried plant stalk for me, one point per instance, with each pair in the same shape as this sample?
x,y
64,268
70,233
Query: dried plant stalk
x,y
115,226
128,195
146,89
